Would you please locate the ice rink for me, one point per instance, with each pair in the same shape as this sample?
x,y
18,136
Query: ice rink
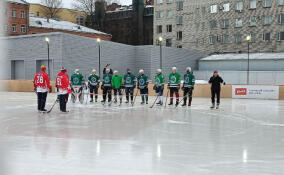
x,y
243,137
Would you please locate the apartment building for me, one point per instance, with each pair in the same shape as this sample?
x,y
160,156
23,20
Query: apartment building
x,y
220,26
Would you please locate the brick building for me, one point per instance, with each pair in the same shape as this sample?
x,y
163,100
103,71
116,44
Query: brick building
x,y
220,26
17,13
131,25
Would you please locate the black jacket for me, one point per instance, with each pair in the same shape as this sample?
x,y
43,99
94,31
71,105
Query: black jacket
x,y
216,82
110,71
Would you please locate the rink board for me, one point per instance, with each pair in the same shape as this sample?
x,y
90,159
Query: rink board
x,y
255,92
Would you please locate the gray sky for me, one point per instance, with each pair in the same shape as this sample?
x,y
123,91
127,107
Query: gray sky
x,y
68,3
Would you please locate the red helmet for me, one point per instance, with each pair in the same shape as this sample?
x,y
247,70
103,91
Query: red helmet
x,y
43,68
63,69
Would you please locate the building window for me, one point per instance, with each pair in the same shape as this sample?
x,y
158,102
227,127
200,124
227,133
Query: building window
x,y
169,1
213,8
266,3
203,9
179,46
238,38
212,39
180,5
179,35
179,20
14,13
266,20
252,21
213,24
225,39
252,38
281,19
23,14
6,12
14,27
169,42
169,28
280,36
6,28
23,29
37,14
226,7
159,15
225,24
252,4
239,6
280,2
169,14
266,36
159,29
32,14
239,22
197,11
80,20
159,1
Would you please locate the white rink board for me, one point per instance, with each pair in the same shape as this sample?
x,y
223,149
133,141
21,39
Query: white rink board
x,y
255,92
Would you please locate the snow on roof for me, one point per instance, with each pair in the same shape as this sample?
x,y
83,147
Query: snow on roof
x,y
255,56
18,1
61,25
149,6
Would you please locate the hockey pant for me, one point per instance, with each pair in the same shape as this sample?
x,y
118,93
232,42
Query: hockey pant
x,y
107,92
41,100
144,94
63,99
94,90
160,92
129,90
187,92
117,91
174,90
214,93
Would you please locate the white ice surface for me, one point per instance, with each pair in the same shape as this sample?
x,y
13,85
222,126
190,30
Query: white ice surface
x,y
253,56
243,137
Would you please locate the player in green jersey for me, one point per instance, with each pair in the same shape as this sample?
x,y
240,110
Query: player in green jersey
x,y
188,86
159,85
107,86
94,84
142,84
174,85
117,85
130,84
77,82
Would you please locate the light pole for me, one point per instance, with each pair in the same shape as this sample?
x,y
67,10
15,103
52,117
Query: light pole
x,y
161,53
47,41
99,43
248,38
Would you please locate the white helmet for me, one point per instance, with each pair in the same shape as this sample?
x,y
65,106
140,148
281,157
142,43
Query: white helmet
x,y
159,70
188,69
115,71
77,70
141,71
94,70
174,68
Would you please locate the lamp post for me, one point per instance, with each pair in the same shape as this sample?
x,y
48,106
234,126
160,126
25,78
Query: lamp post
x,y
248,38
47,42
161,53
99,43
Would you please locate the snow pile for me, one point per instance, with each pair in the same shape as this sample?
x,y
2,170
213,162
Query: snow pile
x,y
18,1
255,56
61,25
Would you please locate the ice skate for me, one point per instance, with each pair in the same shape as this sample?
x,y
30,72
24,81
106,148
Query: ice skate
x,y
213,106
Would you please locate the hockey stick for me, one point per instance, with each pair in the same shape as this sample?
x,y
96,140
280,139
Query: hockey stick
x,y
154,102
167,98
135,97
185,97
53,105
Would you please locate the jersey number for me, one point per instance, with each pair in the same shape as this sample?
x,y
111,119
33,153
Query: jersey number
x,y
58,80
39,79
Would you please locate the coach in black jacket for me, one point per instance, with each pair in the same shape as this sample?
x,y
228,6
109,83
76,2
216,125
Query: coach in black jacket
x,y
215,82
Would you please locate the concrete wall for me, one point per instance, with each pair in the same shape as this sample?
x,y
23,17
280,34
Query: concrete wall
x,y
72,51
241,65
240,77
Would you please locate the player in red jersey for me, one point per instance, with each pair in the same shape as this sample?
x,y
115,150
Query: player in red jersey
x,y
64,89
41,87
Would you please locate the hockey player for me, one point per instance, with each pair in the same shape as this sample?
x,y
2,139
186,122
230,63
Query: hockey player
x,y
42,86
174,85
130,84
77,82
188,86
159,85
64,89
107,86
94,84
142,84
117,85
215,82
107,67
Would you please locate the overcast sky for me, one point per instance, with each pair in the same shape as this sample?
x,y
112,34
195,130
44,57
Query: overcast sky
x,y
68,3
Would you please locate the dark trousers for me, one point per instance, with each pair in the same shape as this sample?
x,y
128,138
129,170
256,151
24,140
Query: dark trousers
x,y
63,99
93,90
214,93
129,90
174,90
41,100
159,90
107,92
144,93
187,92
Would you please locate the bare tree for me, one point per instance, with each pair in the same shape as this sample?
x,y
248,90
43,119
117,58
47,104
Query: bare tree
x,y
52,8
